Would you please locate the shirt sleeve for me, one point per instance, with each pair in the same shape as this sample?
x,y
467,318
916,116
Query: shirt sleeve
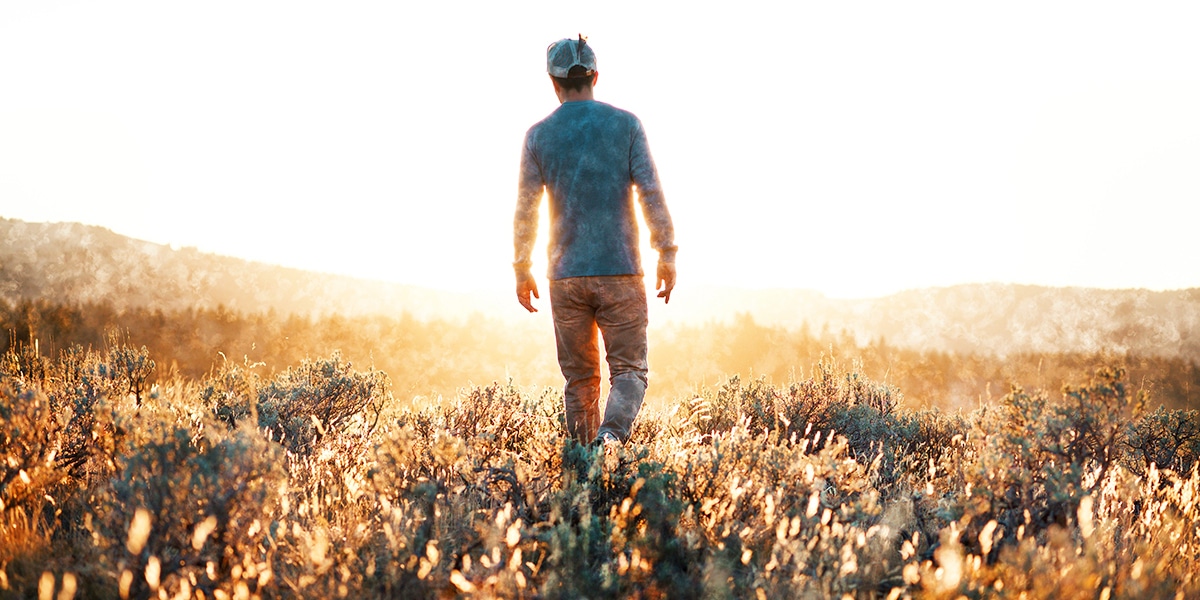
x,y
529,195
654,205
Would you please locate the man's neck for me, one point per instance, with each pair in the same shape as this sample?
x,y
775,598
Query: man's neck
x,y
575,95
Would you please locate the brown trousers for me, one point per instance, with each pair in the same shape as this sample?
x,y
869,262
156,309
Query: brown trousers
x,y
616,307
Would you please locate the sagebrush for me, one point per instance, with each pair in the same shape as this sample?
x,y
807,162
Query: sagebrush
x,y
313,482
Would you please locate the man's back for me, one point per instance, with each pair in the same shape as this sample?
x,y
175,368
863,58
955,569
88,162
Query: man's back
x,y
588,155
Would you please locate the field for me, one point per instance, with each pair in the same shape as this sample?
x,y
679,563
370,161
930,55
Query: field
x,y
120,479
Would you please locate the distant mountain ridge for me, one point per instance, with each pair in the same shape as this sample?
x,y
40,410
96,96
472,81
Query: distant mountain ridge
x,y
72,263
1002,319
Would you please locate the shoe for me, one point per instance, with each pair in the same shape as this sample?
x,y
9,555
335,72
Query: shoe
x,y
606,439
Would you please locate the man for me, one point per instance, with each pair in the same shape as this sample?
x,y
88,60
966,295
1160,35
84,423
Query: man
x,y
587,157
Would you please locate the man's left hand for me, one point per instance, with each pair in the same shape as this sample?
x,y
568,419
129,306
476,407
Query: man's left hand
x,y
666,280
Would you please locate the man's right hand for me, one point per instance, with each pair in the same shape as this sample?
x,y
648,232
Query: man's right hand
x,y
666,280
526,285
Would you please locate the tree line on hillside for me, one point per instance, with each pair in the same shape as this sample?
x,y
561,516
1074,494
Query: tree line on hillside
x,y
438,357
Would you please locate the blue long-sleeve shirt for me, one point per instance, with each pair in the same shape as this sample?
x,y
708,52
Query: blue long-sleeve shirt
x,y
588,156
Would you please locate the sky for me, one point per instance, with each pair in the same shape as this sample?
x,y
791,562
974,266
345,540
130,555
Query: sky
x,y
853,148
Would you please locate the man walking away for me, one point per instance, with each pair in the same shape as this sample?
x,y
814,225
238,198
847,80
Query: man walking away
x,y
587,157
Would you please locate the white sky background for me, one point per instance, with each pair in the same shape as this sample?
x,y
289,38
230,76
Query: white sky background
x,y
855,148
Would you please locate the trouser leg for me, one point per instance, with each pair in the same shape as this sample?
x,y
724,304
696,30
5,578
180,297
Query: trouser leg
x,y
621,316
578,356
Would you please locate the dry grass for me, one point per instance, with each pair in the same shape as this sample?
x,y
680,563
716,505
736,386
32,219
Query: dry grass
x,y
314,484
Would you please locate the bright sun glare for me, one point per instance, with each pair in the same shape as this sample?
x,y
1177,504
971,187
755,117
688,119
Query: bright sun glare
x,y
853,150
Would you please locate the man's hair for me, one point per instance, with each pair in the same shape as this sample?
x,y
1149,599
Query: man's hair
x,y
577,79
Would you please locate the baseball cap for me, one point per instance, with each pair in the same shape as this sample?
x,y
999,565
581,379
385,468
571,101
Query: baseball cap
x,y
567,53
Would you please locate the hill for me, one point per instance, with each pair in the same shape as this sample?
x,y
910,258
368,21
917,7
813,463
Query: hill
x,y
70,262
1000,319
74,263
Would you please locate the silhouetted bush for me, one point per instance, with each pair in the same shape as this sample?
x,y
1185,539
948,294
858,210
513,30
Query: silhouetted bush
x,y
1169,439
304,403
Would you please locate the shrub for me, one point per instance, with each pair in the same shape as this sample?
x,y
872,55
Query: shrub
x,y
29,432
231,393
304,403
128,368
192,513
1039,458
1168,439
